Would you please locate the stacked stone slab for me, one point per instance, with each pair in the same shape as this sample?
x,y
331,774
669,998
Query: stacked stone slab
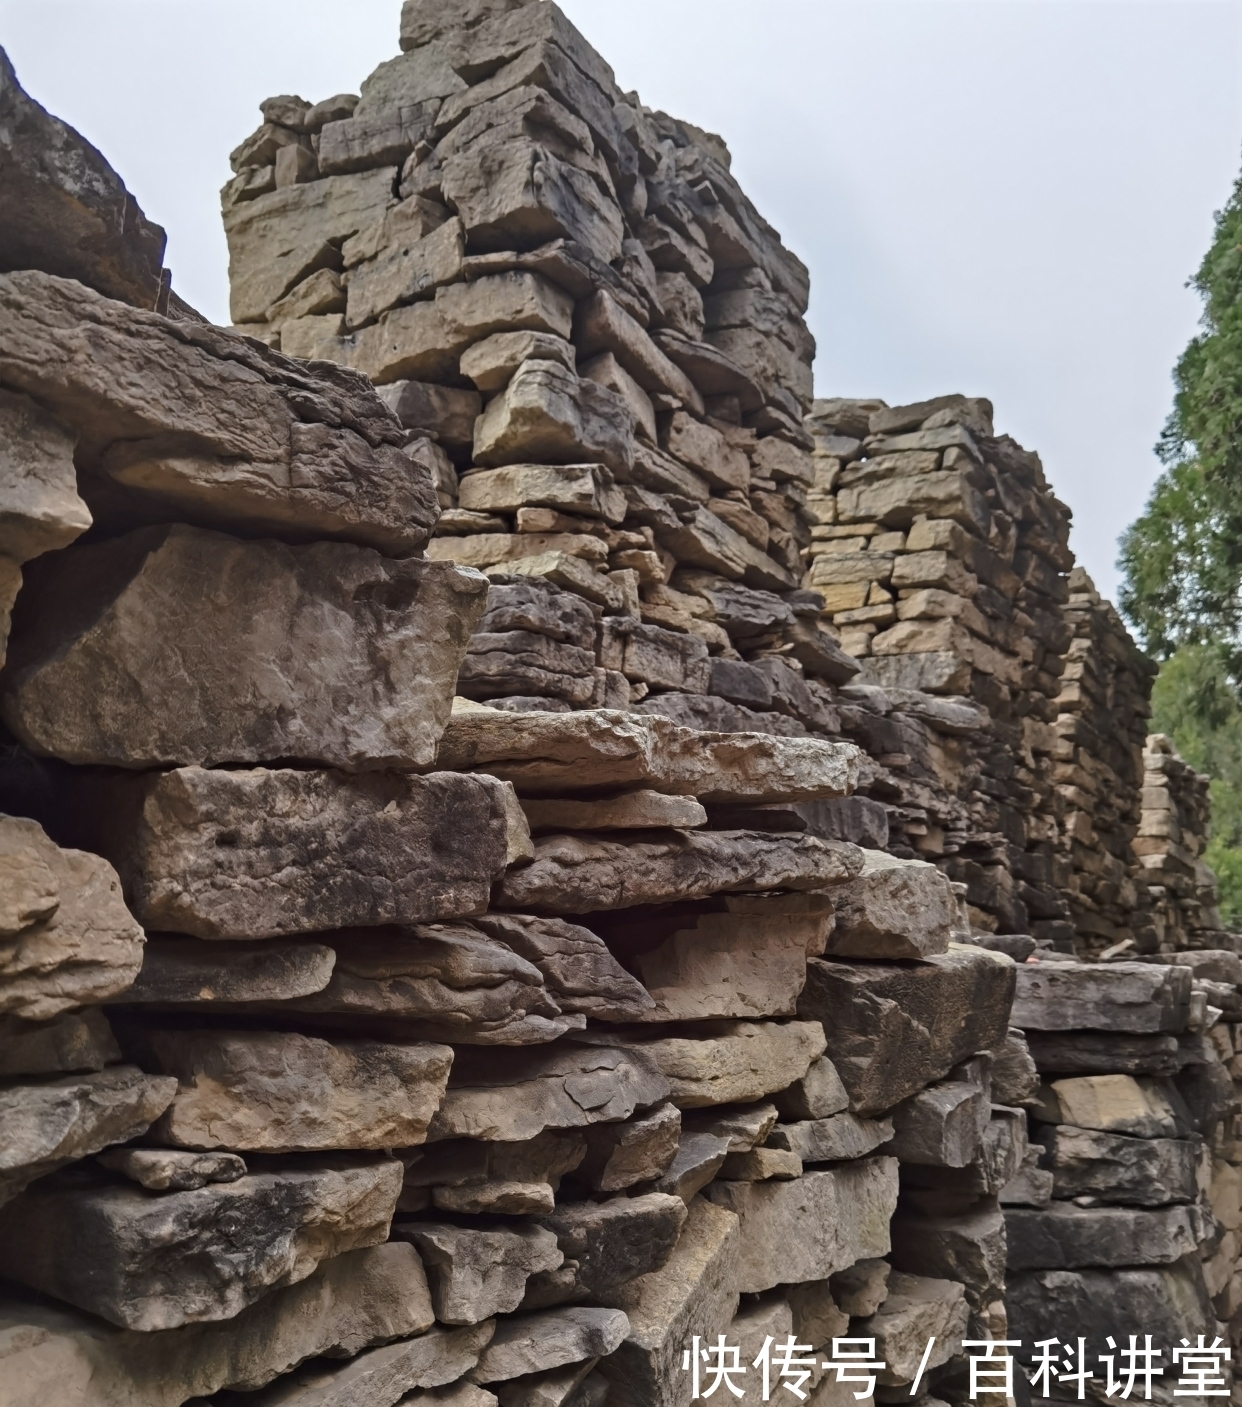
x,y
364,1042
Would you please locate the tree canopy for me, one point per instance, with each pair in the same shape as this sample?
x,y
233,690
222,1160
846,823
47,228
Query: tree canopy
x,y
1182,558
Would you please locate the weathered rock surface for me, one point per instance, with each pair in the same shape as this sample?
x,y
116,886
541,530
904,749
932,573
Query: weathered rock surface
x,y
1121,996
942,1125
830,1140
66,937
1065,1237
548,754
67,210
355,1299
968,1248
155,1263
576,965
915,1310
259,854
533,1343
77,1041
53,1123
381,1377
862,1288
172,1170
693,1293
188,971
514,1097
1142,1106
817,1095
747,962
581,874
188,417
642,1148
235,671
281,1092
632,810
609,1243
893,909
698,1158
892,1028
732,1062
475,1273
42,509
809,1227
1102,1053
1146,1172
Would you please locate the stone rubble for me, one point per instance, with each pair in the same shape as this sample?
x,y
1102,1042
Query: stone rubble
x,y
529,838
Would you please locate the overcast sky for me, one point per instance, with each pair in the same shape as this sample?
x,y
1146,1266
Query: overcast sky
x,y
1002,197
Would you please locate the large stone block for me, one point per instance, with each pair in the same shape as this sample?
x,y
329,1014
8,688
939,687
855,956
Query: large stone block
x,y
1144,1171
1062,1236
351,1301
1135,997
610,1243
693,1293
258,854
66,209
807,1228
1124,1104
383,1376
572,488
547,754
835,1139
40,508
747,962
280,1092
66,937
729,1062
203,649
185,420
477,1272
59,1121
968,1248
916,1310
547,415
516,1095
892,1028
149,1263
575,874
893,909
280,237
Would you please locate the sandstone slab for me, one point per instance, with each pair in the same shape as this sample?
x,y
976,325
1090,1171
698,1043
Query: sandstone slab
x,y
185,1257
639,1150
517,1097
66,937
56,1122
1061,1236
610,1243
693,1293
893,909
264,853
534,1343
281,1092
891,1027
184,419
77,1041
234,671
630,810
817,1095
1124,1104
583,489
358,1298
552,755
188,971
915,1310
942,1125
834,1139
1119,1169
475,1273
171,1169
809,1227
40,508
381,1377
1134,997
697,1159
730,1062
581,874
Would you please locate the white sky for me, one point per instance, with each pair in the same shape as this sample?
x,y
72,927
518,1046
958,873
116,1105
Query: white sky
x,y
1003,197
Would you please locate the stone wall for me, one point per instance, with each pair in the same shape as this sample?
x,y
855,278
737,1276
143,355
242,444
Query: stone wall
x,y
529,840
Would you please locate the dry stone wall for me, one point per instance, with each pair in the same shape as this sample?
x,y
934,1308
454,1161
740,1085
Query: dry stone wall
x,y
527,839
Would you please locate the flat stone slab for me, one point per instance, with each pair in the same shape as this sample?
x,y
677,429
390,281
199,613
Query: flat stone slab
x,y
180,419
281,1092
1135,997
613,1242
893,909
172,1169
265,853
55,1122
576,874
516,1095
1062,1236
831,1140
355,1299
1145,1172
151,1263
533,1343
554,754
892,1028
632,810
66,937
807,1228
326,654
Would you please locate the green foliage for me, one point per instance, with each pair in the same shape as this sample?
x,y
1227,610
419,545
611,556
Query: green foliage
x,y
1182,559
1194,702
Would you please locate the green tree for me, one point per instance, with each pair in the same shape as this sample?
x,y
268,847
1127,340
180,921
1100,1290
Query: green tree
x,y
1194,701
1182,558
